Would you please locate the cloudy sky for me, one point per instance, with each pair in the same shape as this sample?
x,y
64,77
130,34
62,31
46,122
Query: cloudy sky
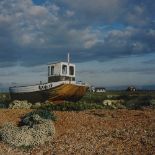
x,y
112,42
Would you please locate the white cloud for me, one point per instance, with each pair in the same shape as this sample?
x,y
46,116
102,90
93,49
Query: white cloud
x,y
80,26
26,39
38,11
140,13
5,19
70,13
85,38
137,16
31,35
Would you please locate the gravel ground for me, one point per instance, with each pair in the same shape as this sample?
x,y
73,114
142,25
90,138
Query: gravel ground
x,y
93,132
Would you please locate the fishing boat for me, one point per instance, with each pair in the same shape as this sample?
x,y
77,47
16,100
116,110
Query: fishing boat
x,y
61,86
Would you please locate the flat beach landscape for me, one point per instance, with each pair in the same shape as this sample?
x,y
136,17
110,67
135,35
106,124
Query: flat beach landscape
x,y
109,129
93,132
77,77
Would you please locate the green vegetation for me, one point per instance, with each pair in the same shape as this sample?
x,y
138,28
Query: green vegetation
x,y
31,118
71,106
129,100
117,95
33,131
139,102
4,100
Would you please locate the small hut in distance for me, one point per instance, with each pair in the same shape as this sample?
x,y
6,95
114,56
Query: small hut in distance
x,y
98,89
131,89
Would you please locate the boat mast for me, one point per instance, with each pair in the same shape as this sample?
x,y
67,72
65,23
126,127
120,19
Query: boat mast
x,y
68,58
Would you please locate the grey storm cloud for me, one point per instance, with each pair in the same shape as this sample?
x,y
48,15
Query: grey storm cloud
x,y
144,70
150,62
137,12
33,34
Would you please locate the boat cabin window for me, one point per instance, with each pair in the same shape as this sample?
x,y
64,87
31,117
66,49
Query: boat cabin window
x,y
52,70
71,70
64,69
48,70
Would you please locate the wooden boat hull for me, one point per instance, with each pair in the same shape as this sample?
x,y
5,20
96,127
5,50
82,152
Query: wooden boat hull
x,y
63,92
67,92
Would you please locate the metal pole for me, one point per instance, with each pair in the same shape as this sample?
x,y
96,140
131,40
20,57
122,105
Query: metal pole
x,y
68,57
